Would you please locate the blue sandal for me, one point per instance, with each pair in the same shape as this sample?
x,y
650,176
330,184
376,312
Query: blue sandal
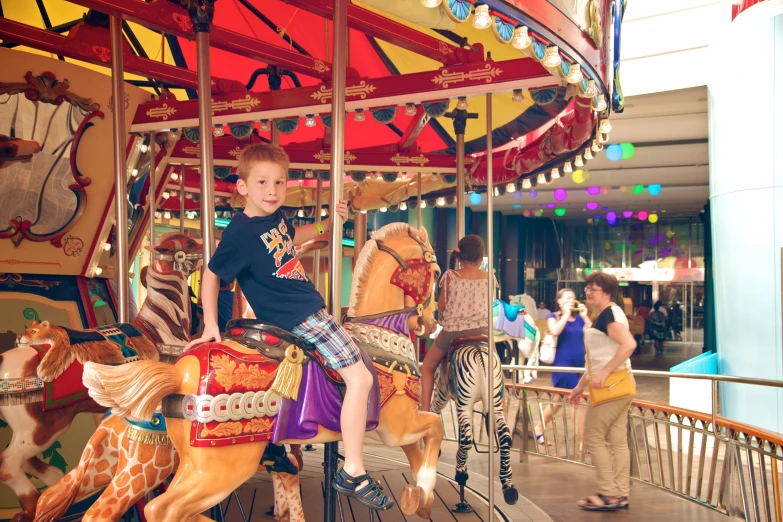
x,y
369,495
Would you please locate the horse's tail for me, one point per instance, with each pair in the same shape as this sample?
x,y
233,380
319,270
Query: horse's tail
x,y
132,390
57,499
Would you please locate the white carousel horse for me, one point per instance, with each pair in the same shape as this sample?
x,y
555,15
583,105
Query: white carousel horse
x,y
517,327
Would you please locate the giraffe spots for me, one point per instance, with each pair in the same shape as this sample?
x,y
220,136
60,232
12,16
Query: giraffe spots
x,y
146,452
106,515
137,484
67,478
114,454
136,470
101,466
151,475
99,451
123,480
85,480
101,481
122,491
163,457
109,491
165,472
112,501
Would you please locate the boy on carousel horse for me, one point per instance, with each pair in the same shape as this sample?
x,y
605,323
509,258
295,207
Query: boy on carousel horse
x,y
257,249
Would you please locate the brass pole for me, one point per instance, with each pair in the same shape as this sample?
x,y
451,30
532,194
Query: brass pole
x,y
490,402
317,252
182,199
120,172
275,133
152,195
205,128
359,233
460,186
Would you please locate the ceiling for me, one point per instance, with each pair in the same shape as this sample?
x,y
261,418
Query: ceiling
x,y
669,132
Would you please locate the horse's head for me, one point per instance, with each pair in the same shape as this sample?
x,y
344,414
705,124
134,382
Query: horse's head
x,y
177,252
396,273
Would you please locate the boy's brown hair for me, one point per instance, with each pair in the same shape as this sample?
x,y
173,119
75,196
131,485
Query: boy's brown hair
x,y
258,153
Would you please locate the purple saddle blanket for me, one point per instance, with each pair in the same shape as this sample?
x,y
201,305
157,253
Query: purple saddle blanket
x,y
320,403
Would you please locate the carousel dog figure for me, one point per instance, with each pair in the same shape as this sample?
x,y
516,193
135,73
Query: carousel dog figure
x,y
45,369
221,423
130,459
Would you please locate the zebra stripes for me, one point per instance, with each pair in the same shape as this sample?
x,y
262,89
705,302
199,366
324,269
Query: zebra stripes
x,y
467,386
165,315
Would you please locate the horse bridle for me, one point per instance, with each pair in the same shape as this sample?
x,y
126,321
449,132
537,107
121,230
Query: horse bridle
x,y
182,261
428,258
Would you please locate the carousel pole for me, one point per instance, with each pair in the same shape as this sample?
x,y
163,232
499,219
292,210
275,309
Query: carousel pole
x,y
151,194
339,51
182,199
317,253
201,12
418,202
120,172
460,178
491,346
359,233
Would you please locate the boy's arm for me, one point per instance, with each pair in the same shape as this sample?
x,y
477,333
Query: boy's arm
x,y
210,287
305,233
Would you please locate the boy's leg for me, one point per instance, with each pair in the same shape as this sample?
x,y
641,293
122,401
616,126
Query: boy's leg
x,y
353,417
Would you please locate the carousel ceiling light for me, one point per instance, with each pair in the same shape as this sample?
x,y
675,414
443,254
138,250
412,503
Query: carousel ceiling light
x,y
264,126
309,174
551,57
358,115
578,162
516,96
600,105
575,74
323,212
602,138
98,270
166,194
174,176
384,209
555,173
605,126
310,120
526,184
403,206
510,187
410,109
462,103
106,247
592,90
567,168
167,215
441,201
597,146
431,3
481,18
143,147
300,213
497,191
157,215
542,178
588,154
135,172
172,136
219,132
423,204
521,40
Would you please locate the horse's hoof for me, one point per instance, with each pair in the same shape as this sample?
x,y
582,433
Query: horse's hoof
x,y
410,499
425,511
462,507
510,495
461,478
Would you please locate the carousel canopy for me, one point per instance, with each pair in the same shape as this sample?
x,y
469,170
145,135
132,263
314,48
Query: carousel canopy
x,y
411,68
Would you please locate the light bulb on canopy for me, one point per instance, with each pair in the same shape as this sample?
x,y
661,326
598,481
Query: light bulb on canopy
x,y
481,18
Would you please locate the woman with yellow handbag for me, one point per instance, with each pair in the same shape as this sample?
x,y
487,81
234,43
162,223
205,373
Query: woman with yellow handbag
x,y
611,386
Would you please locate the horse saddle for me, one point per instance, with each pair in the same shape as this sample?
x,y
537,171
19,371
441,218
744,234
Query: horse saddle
x,y
510,311
466,340
271,341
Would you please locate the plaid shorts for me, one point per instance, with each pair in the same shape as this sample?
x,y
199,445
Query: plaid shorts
x,y
332,340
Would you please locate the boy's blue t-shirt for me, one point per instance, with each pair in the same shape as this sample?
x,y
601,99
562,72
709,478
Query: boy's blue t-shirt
x,y
259,253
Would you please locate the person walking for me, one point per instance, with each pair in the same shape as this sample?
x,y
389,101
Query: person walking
x,y
608,347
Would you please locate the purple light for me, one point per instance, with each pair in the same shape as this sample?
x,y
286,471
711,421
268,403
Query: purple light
x,y
604,208
611,218
550,205
533,194
627,213
591,205
517,194
560,194
593,191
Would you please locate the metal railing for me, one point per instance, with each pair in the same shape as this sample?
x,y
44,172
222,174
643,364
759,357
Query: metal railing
x,y
721,464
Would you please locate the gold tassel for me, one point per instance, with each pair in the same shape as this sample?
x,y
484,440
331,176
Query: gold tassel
x,y
289,374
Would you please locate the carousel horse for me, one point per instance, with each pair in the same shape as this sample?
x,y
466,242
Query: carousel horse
x,y
46,366
130,459
222,406
466,384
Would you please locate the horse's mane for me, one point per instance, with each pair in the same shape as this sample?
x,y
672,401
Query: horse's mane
x,y
364,263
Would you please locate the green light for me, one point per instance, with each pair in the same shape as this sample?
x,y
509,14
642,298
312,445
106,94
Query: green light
x,y
560,212
348,242
638,189
628,150
663,212
221,222
624,283
588,271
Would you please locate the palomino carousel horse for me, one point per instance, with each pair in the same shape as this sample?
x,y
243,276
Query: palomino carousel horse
x,y
45,368
128,458
222,407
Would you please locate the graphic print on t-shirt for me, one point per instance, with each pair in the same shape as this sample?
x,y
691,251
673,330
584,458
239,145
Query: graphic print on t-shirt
x,y
279,244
